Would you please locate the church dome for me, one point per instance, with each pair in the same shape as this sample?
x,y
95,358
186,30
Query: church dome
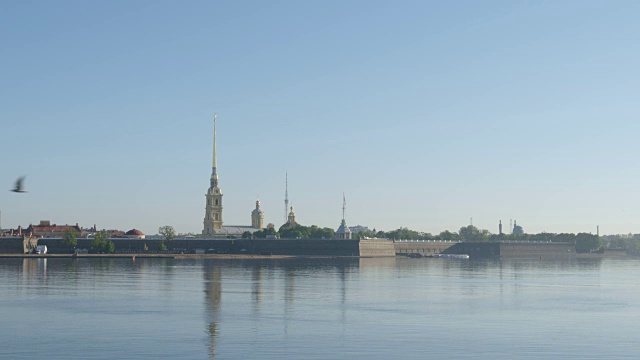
x,y
134,232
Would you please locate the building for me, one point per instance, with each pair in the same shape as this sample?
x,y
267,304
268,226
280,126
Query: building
x,y
46,229
134,234
517,229
213,209
291,220
343,232
213,225
358,228
257,216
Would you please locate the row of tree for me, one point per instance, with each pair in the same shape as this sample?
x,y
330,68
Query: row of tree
x,y
293,232
100,243
584,242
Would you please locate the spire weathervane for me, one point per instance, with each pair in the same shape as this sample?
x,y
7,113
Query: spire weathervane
x,y
215,117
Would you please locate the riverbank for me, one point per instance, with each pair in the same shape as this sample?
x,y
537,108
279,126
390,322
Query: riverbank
x,y
164,256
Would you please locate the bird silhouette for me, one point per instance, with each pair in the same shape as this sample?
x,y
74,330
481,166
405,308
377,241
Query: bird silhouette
x,y
19,187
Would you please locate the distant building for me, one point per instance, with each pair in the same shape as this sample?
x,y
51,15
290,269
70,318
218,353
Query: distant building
x,y
343,232
291,221
517,229
46,229
134,234
213,209
356,229
257,217
212,224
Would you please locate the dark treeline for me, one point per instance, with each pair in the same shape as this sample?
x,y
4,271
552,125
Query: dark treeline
x,y
584,242
293,232
629,242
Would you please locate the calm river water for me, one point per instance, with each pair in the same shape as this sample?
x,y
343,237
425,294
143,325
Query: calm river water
x,y
318,309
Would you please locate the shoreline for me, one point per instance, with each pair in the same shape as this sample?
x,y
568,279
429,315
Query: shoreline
x,y
166,256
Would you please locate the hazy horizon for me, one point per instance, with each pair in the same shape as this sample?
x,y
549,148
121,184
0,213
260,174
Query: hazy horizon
x,y
424,114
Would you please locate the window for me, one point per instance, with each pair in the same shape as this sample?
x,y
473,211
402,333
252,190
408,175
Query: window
x,y
216,202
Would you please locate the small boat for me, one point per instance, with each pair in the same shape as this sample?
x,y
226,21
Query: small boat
x,y
450,256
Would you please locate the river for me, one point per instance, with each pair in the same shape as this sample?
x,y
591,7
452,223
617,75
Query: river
x,y
384,308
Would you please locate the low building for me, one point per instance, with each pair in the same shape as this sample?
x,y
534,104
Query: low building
x,y
232,231
134,234
46,229
356,229
343,232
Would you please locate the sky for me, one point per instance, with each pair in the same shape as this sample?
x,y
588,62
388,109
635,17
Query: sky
x,y
426,114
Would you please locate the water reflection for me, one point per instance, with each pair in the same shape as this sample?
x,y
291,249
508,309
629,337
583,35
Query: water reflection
x,y
256,286
213,299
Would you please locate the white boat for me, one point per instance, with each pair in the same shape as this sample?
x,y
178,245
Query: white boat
x,y
451,256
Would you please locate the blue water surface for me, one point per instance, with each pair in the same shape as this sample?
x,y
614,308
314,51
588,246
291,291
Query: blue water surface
x,y
318,308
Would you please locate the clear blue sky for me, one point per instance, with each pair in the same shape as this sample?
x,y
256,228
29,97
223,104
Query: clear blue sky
x,y
425,113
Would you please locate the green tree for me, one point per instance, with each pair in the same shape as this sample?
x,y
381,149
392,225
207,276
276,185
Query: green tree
x,y
162,246
261,234
109,247
247,235
101,243
448,235
364,234
588,243
472,233
167,232
70,238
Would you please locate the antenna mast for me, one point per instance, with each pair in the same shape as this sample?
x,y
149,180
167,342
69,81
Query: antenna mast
x,y
286,195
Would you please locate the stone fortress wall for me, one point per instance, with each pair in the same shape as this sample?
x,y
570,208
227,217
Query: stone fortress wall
x,y
292,247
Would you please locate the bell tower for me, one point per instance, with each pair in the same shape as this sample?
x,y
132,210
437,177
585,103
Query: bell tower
x,y
213,209
257,217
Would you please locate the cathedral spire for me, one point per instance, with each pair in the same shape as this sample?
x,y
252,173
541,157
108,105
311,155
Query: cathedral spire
x,y
213,211
214,174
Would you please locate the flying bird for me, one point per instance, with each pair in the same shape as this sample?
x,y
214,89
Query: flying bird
x,y
19,187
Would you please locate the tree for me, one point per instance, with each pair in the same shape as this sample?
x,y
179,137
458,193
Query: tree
x,y
448,235
101,243
162,246
167,232
70,238
261,234
588,243
472,233
247,235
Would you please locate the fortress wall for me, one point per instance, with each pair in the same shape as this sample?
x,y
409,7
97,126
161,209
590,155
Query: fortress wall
x,y
475,249
321,247
513,250
534,250
12,245
377,248
424,248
